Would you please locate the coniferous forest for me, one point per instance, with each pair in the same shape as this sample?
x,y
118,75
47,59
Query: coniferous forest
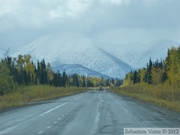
x,y
23,71
158,72
157,83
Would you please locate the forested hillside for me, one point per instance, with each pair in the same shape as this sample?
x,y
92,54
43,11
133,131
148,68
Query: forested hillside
x,y
158,83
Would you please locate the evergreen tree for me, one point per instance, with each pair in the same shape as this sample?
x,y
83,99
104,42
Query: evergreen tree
x,y
64,79
75,80
84,81
148,76
135,78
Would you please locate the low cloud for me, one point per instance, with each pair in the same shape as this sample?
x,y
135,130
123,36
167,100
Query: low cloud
x,y
91,18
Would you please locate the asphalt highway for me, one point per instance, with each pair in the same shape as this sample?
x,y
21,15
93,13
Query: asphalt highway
x,y
89,113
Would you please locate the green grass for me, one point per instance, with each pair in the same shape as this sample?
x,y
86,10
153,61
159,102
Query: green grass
x,y
161,95
25,94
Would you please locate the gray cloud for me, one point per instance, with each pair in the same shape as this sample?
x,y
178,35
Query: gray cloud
x,y
115,20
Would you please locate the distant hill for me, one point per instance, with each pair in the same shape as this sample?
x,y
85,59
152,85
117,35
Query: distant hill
x,y
76,68
156,50
93,58
80,52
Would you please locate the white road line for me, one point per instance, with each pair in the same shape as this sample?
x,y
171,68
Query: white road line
x,y
49,127
59,118
95,125
8,129
50,110
55,122
40,132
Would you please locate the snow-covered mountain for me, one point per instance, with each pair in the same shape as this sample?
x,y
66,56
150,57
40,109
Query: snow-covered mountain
x,y
79,69
138,54
79,54
91,57
127,52
156,50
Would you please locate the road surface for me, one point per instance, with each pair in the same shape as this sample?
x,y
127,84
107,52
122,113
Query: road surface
x,y
89,113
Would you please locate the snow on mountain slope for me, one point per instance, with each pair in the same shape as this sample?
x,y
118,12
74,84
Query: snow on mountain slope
x,y
82,51
157,51
123,66
127,52
137,54
93,57
76,68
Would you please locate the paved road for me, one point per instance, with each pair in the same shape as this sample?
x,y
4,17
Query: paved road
x,y
89,113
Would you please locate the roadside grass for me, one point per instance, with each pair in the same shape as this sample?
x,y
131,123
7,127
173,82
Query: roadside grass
x,y
34,93
162,95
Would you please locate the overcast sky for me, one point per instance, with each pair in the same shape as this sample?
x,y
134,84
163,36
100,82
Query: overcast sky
x,y
113,21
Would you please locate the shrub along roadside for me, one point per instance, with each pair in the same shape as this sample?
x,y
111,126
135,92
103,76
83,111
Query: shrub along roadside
x,y
161,95
34,93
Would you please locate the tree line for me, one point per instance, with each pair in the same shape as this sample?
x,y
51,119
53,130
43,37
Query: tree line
x,y
23,71
158,72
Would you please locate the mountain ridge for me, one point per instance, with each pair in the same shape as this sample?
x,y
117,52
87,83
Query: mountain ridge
x,y
78,51
79,69
92,57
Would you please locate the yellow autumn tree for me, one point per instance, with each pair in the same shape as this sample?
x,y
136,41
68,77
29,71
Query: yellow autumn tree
x,y
172,64
157,75
128,79
142,74
49,72
6,80
29,67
